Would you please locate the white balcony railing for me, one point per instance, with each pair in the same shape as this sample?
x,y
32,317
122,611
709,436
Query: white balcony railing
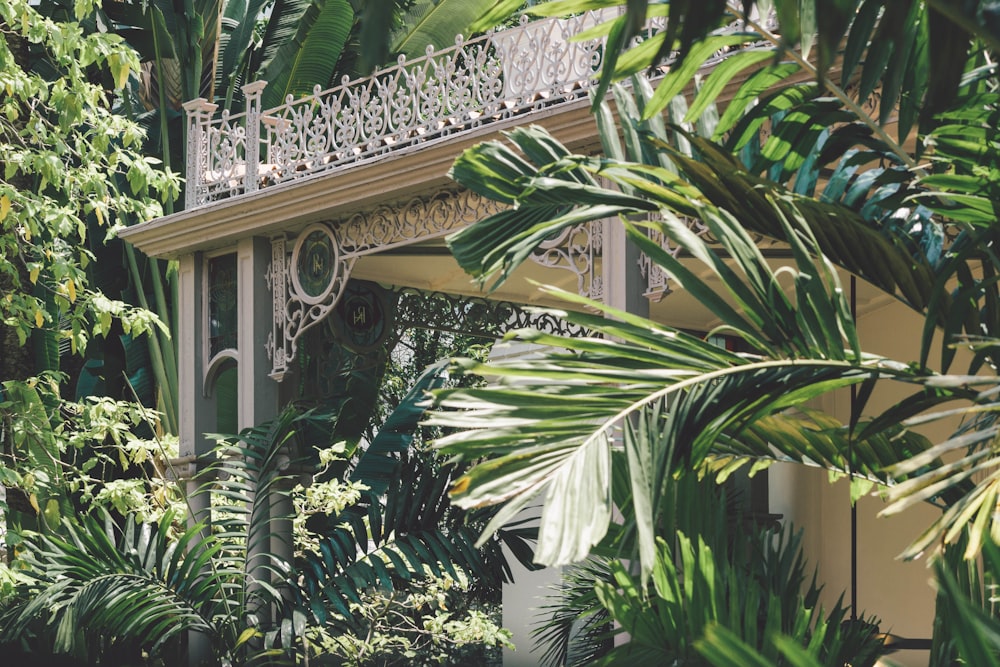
x,y
498,76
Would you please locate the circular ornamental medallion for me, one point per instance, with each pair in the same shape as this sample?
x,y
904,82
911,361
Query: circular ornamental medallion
x,y
364,316
315,263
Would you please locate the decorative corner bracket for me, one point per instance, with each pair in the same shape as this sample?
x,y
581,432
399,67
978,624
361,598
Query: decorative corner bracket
x,y
306,285
576,249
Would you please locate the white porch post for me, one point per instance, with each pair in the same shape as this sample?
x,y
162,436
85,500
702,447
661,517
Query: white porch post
x,y
196,410
257,393
624,284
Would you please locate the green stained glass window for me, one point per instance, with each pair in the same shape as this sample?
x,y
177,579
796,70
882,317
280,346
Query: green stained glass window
x,y
222,299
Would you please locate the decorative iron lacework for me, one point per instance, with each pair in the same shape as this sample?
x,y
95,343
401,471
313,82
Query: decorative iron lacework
x,y
475,316
577,249
299,304
325,364
305,286
307,281
416,219
495,77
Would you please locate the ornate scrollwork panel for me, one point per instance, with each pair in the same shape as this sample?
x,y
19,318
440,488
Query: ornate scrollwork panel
x,y
578,250
475,316
413,220
306,285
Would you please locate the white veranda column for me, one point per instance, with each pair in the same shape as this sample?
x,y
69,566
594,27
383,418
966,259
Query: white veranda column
x,y
196,410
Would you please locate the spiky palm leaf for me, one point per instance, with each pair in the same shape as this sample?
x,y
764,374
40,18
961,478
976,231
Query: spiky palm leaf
x,y
714,568
378,466
799,185
917,52
403,527
384,543
967,628
144,585
541,185
136,585
436,23
804,343
706,183
303,49
698,587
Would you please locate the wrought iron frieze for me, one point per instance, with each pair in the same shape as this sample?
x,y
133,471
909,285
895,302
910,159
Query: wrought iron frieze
x,y
578,250
417,219
475,316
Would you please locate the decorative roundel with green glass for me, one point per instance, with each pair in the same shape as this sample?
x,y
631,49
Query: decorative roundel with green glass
x,y
315,263
364,316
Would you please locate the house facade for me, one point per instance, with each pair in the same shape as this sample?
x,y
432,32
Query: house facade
x,y
298,216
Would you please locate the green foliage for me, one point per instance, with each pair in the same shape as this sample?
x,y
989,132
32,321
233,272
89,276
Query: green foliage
x,y
434,622
310,57
436,23
65,154
362,561
754,591
799,160
95,574
704,402
61,456
140,587
715,570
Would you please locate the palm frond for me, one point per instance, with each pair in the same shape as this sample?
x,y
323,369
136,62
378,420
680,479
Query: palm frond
x,y
144,585
969,478
966,627
436,23
379,462
309,56
403,528
896,40
712,187
697,587
701,401
573,629
237,46
136,585
383,544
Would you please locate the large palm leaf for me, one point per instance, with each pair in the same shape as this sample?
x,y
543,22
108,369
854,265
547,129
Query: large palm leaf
x,y
561,437
436,23
131,586
561,434
797,184
386,543
303,45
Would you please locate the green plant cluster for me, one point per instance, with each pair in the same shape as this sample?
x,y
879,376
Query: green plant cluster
x,y
859,137
437,622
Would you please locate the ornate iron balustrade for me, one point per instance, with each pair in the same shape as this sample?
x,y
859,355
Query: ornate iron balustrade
x,y
495,77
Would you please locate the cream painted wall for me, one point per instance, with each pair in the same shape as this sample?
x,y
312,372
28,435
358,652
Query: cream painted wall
x,y
898,592
521,603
